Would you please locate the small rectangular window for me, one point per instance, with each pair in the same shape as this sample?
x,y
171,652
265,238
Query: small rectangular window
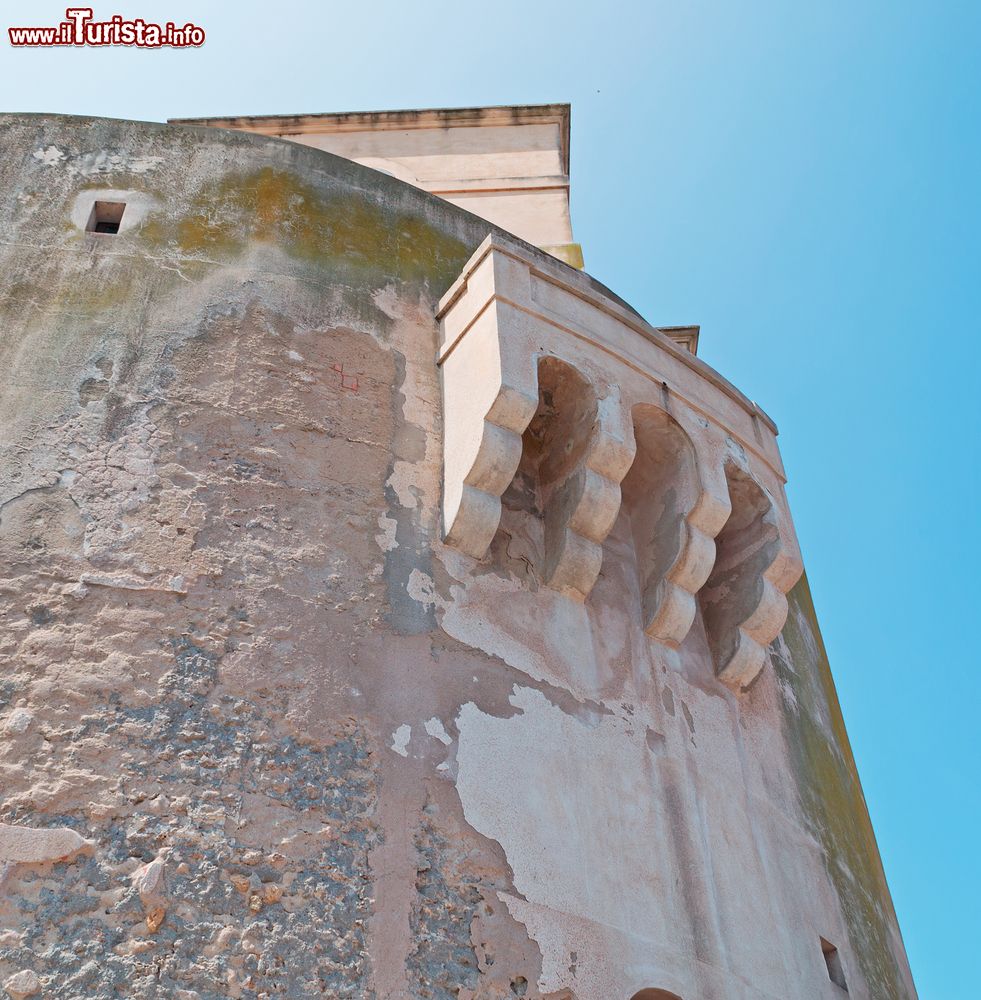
x,y
105,217
833,961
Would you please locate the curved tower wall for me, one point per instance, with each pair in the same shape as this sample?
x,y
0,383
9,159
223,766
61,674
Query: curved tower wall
x,y
389,611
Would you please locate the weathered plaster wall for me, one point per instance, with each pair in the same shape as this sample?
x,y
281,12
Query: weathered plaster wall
x,y
261,733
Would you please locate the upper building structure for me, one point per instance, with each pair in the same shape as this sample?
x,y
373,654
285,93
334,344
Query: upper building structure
x,y
390,611
509,165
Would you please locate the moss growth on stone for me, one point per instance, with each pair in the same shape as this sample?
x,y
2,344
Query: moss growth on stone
x,y
349,230
831,795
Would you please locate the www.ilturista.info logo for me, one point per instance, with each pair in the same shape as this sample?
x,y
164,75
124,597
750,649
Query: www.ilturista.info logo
x,y
78,28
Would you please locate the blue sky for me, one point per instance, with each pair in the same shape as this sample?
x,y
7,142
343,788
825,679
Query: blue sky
x,y
803,181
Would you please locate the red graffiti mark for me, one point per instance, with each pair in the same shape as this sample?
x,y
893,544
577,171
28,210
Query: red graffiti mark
x,y
347,381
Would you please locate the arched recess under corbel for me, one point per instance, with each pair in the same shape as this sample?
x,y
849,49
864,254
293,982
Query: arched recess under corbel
x,y
742,607
568,477
674,518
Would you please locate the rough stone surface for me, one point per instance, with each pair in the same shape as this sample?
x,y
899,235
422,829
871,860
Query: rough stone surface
x,y
263,733
23,984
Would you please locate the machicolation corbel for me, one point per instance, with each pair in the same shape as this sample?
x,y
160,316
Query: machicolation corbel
x,y
564,404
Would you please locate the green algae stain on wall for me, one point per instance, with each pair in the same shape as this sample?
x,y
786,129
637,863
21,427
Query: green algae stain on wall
x,y
347,229
832,799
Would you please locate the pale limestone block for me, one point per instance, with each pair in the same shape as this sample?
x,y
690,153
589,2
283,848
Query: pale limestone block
x,y
23,984
24,844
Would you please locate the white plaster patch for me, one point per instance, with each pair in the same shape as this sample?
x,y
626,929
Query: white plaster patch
x,y
105,162
422,589
294,356
50,157
418,405
387,300
557,646
437,730
386,538
400,739
404,476
576,807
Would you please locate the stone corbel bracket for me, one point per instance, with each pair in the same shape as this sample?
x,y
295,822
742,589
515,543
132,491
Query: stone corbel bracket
x,y
757,563
490,394
511,308
489,369
577,525
684,490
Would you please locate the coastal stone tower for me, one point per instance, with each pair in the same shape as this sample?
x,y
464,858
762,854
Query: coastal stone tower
x,y
388,610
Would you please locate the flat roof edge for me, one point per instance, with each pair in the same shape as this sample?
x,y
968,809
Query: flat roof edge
x,y
355,121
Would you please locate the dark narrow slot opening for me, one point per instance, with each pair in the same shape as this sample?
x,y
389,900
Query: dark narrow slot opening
x,y
106,217
832,960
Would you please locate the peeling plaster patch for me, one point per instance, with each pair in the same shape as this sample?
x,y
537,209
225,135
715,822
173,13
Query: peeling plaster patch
x,y
491,616
403,480
422,589
558,842
549,938
386,539
50,157
294,356
419,389
400,739
411,490
598,783
437,730
387,300
105,162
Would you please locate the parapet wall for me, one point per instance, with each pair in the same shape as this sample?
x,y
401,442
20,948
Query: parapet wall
x,y
388,611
